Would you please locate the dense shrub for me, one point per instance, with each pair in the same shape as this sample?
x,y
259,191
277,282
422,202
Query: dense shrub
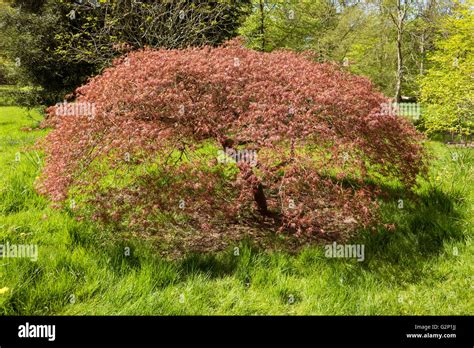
x,y
162,115
3,75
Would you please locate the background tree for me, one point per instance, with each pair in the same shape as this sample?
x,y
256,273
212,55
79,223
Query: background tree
x,y
362,41
293,24
104,30
58,44
398,11
385,40
447,88
29,32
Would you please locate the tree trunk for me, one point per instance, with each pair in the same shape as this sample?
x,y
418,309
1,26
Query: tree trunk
x,y
398,19
422,53
258,192
261,200
262,24
398,88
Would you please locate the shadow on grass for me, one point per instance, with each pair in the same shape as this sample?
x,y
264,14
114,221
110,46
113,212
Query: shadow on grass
x,y
423,225
426,221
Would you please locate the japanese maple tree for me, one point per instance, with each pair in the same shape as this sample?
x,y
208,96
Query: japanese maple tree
x,y
318,134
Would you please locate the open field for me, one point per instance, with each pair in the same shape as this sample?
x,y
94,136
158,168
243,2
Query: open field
x,y
424,267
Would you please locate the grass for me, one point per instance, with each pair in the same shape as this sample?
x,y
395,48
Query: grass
x,y
424,267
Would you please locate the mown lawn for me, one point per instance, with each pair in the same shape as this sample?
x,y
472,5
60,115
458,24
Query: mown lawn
x,y
425,266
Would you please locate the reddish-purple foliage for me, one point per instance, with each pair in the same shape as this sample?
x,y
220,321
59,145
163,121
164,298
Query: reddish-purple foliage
x,y
301,117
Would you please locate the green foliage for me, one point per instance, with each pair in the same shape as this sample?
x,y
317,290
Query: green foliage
x,y
33,6
5,71
293,24
353,35
448,87
365,41
103,32
57,45
30,43
359,35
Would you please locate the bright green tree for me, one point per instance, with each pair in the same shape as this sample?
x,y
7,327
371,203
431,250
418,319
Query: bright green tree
x,y
293,24
447,89
366,37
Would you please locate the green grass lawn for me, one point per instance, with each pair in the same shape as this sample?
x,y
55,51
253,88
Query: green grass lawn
x,y
425,266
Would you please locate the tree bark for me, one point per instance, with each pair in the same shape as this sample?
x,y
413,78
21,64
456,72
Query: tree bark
x,y
262,24
422,53
258,190
398,88
261,200
399,20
